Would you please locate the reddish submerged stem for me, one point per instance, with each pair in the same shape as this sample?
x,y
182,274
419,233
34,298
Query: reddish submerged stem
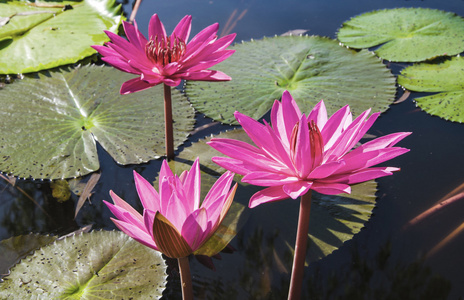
x,y
296,281
169,139
185,278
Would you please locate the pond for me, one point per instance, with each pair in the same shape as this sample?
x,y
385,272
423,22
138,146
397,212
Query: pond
x,y
386,260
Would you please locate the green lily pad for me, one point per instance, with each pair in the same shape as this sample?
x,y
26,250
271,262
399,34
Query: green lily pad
x,y
446,79
96,265
310,67
49,123
18,247
406,34
37,35
333,220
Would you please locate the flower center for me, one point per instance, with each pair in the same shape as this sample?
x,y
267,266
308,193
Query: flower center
x,y
315,141
163,51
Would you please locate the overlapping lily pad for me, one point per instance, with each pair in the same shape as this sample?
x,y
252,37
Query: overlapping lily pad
x,y
41,35
446,79
334,219
97,265
406,34
49,124
310,67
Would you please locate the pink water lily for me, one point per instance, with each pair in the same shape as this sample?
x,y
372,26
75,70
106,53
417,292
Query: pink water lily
x,y
166,59
306,152
173,221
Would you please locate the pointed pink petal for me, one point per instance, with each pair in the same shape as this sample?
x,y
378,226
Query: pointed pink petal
x,y
138,234
296,189
156,28
331,188
369,174
134,85
370,158
192,186
235,165
302,155
134,36
202,39
105,51
148,195
268,179
182,30
206,75
148,219
318,114
120,64
124,205
219,191
284,116
196,228
326,169
334,126
270,194
124,215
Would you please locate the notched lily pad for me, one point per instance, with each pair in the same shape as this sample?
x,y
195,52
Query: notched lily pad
x,y
406,34
36,36
97,265
310,67
446,79
50,122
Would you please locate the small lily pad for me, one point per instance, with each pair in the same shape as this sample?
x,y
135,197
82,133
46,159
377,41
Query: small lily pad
x,y
50,122
446,79
334,219
406,34
37,35
310,67
96,265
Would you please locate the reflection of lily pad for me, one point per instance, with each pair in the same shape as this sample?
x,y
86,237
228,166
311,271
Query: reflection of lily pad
x,y
334,219
406,34
49,125
446,79
42,35
310,67
98,265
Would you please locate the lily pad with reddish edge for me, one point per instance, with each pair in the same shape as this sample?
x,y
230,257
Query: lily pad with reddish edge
x,y
310,67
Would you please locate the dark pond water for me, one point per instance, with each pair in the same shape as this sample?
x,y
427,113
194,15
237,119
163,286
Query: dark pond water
x,y
383,261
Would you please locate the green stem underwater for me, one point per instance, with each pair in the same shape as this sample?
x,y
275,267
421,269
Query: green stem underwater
x,y
169,139
296,281
185,278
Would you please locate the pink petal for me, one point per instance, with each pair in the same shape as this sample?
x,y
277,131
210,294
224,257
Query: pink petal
x,y
318,114
371,158
134,36
196,227
156,28
202,39
296,189
369,174
120,64
124,215
268,179
219,191
206,75
148,195
302,155
123,204
235,165
105,51
331,188
326,169
148,219
134,85
270,194
284,116
182,30
334,126
138,234
192,186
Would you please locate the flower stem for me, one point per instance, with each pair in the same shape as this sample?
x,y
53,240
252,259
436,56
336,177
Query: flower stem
x,y
169,139
185,278
296,281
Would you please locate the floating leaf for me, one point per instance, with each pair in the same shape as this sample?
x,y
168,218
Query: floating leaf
x,y
310,67
37,36
18,247
334,219
49,124
97,265
406,34
446,79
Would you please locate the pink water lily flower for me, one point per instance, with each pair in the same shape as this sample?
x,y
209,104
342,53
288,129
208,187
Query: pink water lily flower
x,y
302,152
173,221
166,59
